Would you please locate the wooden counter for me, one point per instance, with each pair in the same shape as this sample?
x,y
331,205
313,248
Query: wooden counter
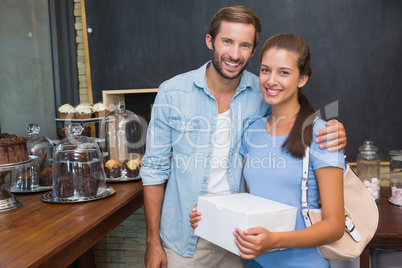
x,y
389,231
40,234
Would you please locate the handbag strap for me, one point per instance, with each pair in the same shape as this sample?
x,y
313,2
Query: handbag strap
x,y
349,224
304,188
304,184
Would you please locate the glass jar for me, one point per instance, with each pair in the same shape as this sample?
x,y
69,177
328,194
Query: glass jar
x,y
122,143
396,188
396,161
43,148
368,168
77,167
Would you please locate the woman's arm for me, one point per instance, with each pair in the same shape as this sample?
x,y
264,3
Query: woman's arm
x,y
254,242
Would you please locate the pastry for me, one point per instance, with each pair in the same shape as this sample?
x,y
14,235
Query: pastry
x,y
66,111
13,149
83,113
100,109
132,167
63,188
87,186
113,168
45,177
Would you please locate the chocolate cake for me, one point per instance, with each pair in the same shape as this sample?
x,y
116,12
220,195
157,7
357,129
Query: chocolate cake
x,y
13,149
63,188
45,177
87,186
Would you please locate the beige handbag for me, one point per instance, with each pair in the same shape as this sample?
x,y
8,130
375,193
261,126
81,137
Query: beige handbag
x,y
361,216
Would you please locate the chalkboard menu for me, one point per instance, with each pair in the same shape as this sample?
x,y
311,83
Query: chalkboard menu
x,y
356,48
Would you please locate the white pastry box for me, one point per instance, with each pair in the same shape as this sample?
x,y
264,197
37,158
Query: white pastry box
x,y
222,213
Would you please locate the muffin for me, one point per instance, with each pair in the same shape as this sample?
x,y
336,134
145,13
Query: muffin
x,y
83,113
45,177
100,109
66,111
132,167
113,168
42,159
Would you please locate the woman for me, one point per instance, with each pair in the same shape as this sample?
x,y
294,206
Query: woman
x,y
280,139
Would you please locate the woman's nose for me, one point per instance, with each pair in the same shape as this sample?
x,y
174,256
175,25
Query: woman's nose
x,y
272,80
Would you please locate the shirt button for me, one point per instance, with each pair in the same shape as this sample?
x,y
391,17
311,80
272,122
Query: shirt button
x,y
205,180
230,170
212,131
213,109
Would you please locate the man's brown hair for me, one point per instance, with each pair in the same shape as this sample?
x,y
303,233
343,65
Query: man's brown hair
x,y
235,14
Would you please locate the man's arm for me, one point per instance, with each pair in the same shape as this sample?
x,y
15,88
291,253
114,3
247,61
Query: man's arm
x,y
154,172
153,196
333,136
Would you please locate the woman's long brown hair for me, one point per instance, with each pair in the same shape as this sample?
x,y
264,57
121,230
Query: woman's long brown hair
x,y
301,133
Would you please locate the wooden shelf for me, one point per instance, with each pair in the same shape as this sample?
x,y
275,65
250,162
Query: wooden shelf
x,y
110,96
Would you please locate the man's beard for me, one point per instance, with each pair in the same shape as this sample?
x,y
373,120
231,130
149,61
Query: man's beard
x,y
217,64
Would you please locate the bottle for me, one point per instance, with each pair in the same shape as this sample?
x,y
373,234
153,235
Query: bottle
x,y
368,168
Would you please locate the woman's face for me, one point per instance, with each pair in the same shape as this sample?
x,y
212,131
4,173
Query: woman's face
x,y
280,77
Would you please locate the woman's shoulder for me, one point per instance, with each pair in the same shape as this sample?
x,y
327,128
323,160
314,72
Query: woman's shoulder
x,y
258,124
319,124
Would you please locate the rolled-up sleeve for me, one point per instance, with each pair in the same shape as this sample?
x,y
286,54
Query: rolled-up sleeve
x,y
155,163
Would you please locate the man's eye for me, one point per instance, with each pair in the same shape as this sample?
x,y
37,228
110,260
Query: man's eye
x,y
284,72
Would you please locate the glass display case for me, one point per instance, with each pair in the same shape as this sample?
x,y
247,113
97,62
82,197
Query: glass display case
x,y
78,173
43,148
122,135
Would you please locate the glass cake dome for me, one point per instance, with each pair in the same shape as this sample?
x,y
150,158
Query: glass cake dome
x,y
77,167
43,148
122,135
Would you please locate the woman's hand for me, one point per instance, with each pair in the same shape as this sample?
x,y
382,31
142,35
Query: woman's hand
x,y
195,217
333,136
253,242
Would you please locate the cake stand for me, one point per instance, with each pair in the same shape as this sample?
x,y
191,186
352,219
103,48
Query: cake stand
x,y
7,200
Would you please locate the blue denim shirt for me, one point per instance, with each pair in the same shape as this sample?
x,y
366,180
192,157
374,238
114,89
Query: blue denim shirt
x,y
179,147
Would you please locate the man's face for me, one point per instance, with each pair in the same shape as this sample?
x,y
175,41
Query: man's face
x,y
232,48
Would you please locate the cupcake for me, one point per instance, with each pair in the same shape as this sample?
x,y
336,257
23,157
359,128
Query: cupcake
x,y
132,167
42,160
83,113
66,111
113,168
45,177
82,106
100,109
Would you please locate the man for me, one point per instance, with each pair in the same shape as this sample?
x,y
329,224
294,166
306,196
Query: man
x,y
194,139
